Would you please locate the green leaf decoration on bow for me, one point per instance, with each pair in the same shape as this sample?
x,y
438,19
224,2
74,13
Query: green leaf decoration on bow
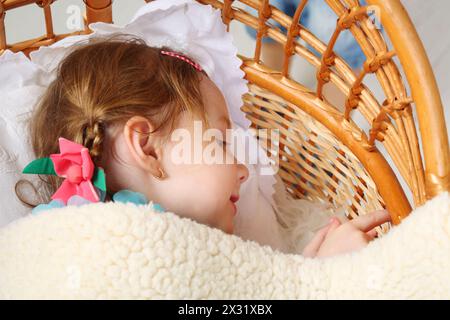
x,y
40,166
45,166
99,179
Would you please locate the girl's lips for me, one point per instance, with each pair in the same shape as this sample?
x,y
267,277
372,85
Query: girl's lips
x,y
234,198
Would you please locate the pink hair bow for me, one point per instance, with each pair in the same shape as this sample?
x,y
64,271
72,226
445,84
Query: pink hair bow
x,y
75,165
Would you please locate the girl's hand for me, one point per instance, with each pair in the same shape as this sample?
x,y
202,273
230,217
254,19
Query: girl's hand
x,y
313,246
337,238
352,235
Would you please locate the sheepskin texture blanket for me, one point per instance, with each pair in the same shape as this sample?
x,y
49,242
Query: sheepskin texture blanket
x,y
115,250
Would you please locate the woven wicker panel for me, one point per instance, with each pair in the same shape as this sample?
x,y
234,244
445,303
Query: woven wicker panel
x,y
313,163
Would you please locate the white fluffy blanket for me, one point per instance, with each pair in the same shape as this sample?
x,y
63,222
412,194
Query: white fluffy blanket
x,y
109,250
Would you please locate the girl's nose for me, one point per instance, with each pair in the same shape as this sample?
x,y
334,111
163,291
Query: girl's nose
x,y
242,173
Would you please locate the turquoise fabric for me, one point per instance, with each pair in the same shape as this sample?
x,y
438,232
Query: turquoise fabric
x,y
124,196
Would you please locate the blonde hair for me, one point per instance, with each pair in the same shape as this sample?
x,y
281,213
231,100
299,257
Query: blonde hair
x,y
105,82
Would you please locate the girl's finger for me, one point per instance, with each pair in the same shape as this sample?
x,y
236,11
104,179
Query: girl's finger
x,y
313,246
334,224
371,220
372,233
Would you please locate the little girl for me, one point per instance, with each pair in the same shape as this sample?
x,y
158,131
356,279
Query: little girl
x,y
123,101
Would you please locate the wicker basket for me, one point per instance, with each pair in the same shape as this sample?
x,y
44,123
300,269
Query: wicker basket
x,y
323,153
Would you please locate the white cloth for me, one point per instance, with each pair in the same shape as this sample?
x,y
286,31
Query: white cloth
x,y
21,84
256,219
112,250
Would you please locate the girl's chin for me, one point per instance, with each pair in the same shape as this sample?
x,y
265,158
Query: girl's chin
x,y
229,228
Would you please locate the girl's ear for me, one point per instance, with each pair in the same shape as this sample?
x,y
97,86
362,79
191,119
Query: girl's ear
x,y
142,144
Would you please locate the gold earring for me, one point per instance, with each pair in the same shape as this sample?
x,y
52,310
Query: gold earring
x,y
161,174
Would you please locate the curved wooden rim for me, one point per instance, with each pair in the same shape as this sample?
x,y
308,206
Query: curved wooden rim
x,y
424,90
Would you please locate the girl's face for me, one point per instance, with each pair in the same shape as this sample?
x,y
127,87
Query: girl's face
x,y
200,184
